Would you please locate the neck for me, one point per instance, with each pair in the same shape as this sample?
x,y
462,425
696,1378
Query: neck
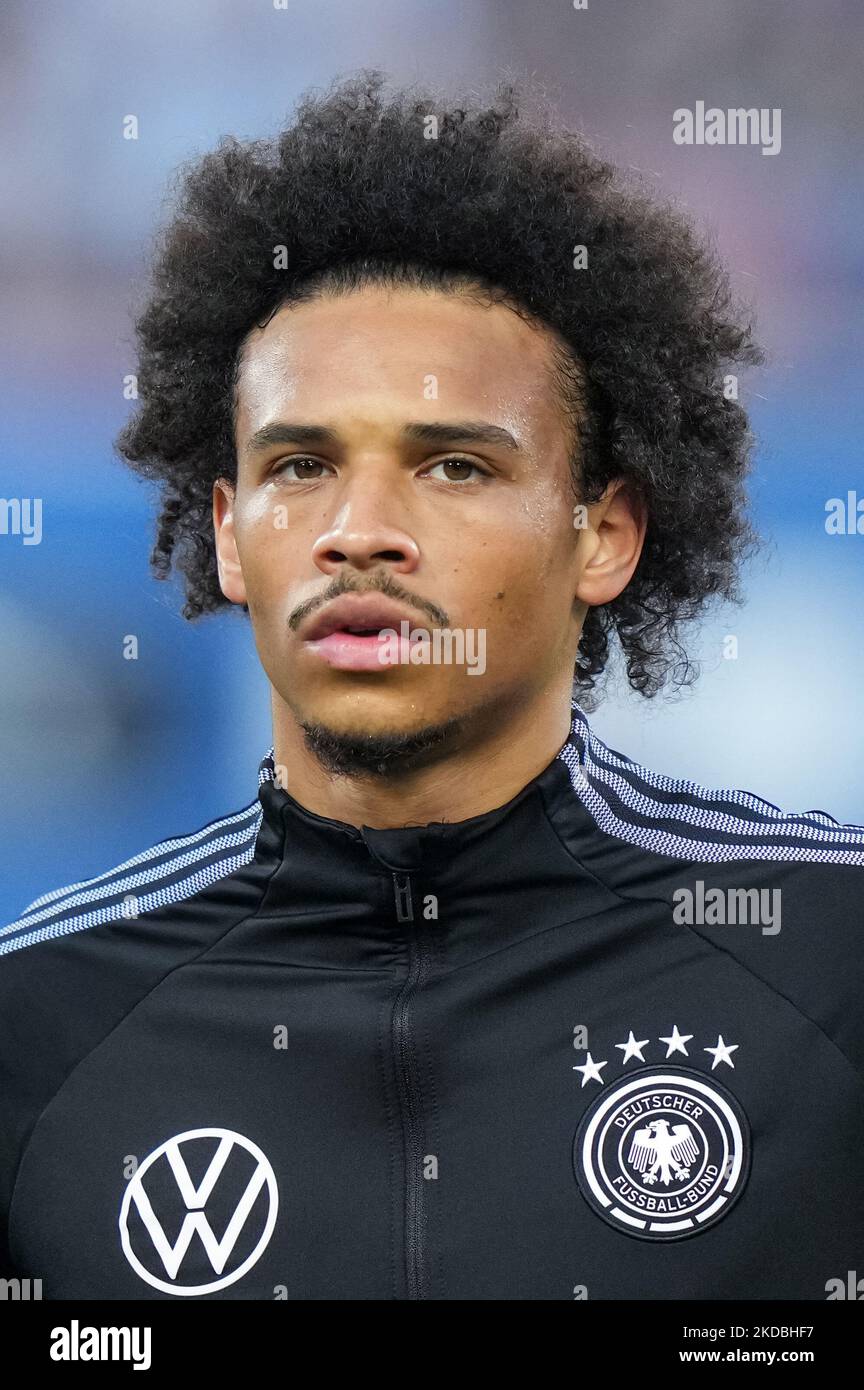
x,y
501,749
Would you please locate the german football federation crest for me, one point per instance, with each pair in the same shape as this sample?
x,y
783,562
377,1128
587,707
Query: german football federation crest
x,y
663,1152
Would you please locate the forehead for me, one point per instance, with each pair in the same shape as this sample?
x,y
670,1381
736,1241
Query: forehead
x,y
402,346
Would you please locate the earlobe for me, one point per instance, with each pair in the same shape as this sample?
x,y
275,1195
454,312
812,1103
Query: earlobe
x,y
227,559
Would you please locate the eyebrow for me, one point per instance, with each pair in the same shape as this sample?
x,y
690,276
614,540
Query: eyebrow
x,y
443,434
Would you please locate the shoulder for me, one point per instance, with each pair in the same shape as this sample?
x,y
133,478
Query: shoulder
x,y
169,871
777,891
683,819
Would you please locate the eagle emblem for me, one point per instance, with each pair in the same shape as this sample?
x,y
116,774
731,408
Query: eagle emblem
x,y
668,1151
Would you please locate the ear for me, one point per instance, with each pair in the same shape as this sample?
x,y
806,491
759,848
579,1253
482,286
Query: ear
x,y
615,536
228,561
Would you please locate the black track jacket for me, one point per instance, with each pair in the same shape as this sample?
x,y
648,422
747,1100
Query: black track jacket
x,y
604,1041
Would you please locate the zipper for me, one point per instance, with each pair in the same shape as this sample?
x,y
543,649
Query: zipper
x,y
409,1088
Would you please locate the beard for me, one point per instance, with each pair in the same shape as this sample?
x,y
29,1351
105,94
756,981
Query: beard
x,y
378,755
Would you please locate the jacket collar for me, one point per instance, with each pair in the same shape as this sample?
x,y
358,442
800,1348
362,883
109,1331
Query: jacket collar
x,y
288,827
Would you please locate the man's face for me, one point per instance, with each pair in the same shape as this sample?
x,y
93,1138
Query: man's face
x,y
471,534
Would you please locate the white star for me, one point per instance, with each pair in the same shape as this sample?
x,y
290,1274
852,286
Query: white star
x,y
632,1048
591,1071
722,1052
677,1041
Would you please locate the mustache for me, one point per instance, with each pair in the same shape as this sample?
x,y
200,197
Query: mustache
x,y
384,584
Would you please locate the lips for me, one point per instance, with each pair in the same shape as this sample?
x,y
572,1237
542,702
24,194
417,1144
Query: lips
x,y
364,614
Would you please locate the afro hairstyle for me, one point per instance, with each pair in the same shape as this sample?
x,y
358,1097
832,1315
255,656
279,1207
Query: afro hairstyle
x,y
420,190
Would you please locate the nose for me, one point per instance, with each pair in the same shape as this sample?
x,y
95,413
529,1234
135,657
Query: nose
x,y
363,537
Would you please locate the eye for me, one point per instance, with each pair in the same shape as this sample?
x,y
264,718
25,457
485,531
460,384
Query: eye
x,y
459,464
303,464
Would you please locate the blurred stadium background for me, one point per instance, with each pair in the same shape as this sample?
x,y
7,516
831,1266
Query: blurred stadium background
x,y
99,756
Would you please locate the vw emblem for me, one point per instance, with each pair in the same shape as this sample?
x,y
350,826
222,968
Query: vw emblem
x,y
206,1198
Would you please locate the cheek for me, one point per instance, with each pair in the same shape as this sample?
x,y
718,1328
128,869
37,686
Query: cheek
x,y
530,558
525,593
268,550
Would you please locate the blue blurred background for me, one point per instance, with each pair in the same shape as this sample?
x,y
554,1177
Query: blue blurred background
x,y
101,756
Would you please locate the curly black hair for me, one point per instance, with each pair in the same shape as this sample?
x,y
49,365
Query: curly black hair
x,y
414,189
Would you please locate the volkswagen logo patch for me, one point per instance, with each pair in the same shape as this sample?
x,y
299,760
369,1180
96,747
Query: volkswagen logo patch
x,y
663,1153
205,1200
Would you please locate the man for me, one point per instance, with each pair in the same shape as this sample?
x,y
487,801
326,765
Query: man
x,y
464,1004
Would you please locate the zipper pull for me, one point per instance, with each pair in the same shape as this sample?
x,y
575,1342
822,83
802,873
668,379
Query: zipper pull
x,y
402,895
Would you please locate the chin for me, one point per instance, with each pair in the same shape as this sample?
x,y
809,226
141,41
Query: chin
x,y
360,707
378,748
